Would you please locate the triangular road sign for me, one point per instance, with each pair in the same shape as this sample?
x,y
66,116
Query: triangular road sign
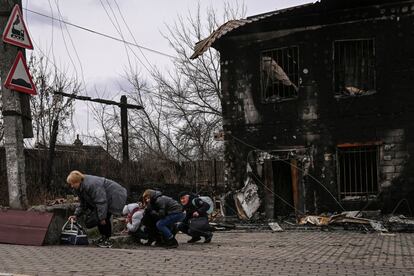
x,y
19,78
16,32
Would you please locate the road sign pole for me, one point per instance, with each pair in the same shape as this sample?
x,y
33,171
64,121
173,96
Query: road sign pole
x,y
13,129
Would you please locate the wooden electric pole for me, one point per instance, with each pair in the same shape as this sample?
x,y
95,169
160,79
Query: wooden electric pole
x,y
124,128
12,117
123,104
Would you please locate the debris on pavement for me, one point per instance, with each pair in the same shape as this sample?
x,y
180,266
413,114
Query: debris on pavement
x,y
315,220
377,226
275,227
400,224
247,199
350,217
222,226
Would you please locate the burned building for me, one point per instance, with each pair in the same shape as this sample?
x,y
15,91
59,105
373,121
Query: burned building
x,y
318,109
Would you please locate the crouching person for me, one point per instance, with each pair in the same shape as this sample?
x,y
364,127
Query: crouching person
x,y
195,223
168,211
134,213
102,198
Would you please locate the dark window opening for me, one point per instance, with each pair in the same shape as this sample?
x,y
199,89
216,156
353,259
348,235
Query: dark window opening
x,y
358,170
354,67
279,74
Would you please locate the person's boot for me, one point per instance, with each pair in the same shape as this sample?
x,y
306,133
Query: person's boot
x,y
194,239
171,243
208,237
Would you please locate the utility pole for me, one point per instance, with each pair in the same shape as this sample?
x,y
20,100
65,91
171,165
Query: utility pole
x,y
12,117
124,128
123,104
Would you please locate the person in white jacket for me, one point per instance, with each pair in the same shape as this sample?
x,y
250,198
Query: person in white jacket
x,y
134,213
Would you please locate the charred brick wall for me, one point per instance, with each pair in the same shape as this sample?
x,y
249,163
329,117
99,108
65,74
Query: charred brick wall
x,y
318,119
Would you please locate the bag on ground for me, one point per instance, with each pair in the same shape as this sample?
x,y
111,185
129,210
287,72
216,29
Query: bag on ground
x,y
199,224
72,233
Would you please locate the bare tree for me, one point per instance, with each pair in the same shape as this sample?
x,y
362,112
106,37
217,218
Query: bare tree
x,y
109,136
183,109
46,106
50,112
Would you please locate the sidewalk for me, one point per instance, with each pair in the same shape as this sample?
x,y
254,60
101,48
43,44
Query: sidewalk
x,y
230,253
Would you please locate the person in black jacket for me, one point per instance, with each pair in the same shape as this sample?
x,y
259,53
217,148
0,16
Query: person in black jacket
x,y
195,223
168,211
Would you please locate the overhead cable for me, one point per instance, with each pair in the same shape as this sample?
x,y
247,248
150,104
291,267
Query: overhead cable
x,y
101,34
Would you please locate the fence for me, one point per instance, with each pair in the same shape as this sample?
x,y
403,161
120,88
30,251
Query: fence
x,y
171,177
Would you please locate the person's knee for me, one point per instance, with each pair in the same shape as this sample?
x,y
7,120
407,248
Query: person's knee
x,y
160,224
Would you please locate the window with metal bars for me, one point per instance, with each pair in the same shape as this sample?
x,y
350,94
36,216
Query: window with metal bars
x,y
354,67
279,74
357,170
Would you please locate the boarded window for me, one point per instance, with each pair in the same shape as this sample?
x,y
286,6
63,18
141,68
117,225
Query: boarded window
x,y
358,170
279,74
354,67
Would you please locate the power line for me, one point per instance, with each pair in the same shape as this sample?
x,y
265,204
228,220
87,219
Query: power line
x,y
102,34
119,30
132,35
77,56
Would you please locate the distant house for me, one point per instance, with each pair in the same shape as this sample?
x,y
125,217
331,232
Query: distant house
x,y
67,157
318,105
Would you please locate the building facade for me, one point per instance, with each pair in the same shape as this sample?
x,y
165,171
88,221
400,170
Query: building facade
x,y
318,105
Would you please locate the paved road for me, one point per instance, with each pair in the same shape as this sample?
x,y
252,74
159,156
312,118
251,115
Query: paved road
x,y
230,253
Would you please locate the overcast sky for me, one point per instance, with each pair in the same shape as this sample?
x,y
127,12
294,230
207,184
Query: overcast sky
x,y
100,61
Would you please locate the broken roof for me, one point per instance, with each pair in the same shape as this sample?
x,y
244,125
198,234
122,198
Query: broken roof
x,y
232,25
318,6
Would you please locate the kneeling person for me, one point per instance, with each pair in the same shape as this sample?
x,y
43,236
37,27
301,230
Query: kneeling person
x,y
195,223
167,210
134,213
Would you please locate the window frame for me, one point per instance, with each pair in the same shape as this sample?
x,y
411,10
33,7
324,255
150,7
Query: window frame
x,y
267,100
341,94
342,195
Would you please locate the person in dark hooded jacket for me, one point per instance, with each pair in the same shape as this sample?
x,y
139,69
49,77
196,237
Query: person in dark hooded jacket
x,y
195,223
169,212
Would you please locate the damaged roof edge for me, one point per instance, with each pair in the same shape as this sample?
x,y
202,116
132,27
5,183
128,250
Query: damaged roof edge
x,y
203,45
227,27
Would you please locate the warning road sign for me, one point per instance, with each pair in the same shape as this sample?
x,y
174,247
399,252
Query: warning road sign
x,y
19,78
16,32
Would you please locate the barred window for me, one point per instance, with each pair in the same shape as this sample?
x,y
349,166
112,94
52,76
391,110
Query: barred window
x,y
279,74
358,170
354,67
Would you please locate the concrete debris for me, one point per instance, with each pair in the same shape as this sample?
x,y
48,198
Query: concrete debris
x,y
275,227
343,218
400,224
401,219
377,226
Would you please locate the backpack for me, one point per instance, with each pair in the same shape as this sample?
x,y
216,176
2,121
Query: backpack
x,y
208,200
73,233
